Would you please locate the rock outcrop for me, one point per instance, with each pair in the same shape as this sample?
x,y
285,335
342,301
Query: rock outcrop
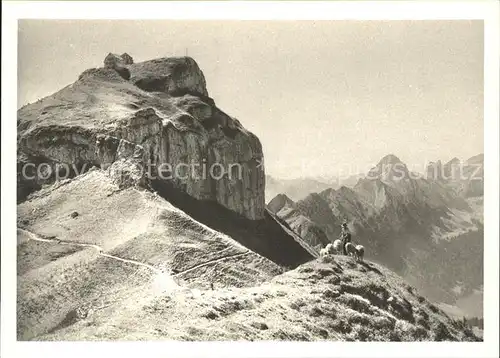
x,y
412,224
157,112
169,75
435,170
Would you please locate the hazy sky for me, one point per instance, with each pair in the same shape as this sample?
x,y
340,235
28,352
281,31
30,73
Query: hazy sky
x,y
322,96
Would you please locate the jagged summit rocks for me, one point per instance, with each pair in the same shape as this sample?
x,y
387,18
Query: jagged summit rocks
x,y
161,106
289,212
175,266
171,75
280,202
113,60
389,168
119,63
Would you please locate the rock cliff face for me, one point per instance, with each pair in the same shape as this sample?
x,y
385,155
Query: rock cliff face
x,y
156,114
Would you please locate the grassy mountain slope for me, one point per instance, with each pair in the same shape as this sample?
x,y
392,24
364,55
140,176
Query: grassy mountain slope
x,y
96,262
60,274
334,300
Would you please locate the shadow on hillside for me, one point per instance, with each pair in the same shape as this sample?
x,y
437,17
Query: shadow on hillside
x,y
265,237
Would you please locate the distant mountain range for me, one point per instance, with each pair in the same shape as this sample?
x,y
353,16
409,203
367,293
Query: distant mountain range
x,y
464,177
427,228
299,188
295,189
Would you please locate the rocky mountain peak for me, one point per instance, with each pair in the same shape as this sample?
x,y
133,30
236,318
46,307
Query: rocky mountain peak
x,y
455,160
434,170
279,202
389,168
477,159
328,192
389,159
157,113
172,75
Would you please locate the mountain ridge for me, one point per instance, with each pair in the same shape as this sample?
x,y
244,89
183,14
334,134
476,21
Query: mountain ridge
x,y
397,218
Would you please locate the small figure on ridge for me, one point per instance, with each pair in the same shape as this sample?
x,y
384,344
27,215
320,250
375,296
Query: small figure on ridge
x,y
345,237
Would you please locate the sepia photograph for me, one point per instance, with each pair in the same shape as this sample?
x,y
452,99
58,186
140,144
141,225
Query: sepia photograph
x,y
255,180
